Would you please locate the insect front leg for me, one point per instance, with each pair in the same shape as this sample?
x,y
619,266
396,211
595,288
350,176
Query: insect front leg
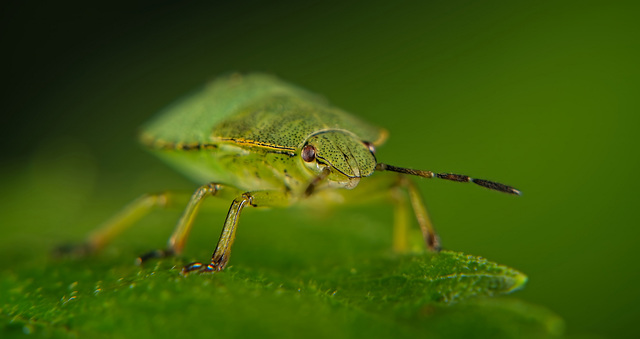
x,y
221,254
180,234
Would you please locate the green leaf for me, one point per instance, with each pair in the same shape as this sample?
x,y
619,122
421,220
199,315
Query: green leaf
x,y
399,296
444,278
284,280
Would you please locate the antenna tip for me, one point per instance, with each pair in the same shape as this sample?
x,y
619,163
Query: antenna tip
x,y
496,186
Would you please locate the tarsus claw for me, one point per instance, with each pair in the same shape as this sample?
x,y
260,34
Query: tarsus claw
x,y
200,267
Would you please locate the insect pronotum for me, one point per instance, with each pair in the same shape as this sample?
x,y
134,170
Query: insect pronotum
x,y
258,141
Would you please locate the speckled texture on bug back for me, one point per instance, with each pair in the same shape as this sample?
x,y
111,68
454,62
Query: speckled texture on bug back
x,y
255,109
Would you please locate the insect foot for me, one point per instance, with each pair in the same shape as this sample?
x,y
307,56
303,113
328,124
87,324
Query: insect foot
x,y
73,250
157,254
201,268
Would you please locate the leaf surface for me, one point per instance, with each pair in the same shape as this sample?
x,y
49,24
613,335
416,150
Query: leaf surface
x,y
400,296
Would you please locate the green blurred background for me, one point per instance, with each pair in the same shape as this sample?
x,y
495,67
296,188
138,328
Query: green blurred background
x,y
542,96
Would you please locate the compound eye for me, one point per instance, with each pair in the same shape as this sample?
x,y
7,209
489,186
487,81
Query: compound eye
x,y
308,153
370,146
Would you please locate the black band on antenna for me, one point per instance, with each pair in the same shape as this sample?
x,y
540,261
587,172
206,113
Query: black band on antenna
x,y
496,186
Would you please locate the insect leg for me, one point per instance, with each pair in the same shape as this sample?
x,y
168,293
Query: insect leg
x,y
117,224
400,219
402,191
221,254
420,210
179,236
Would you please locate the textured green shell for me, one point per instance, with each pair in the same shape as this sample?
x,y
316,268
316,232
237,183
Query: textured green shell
x,y
255,110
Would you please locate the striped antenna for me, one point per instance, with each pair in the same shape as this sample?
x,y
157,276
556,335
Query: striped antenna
x,y
496,186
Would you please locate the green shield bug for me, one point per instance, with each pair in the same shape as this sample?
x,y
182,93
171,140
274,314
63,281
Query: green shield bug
x,y
258,141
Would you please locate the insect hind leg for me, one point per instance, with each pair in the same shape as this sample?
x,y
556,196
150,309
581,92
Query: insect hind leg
x,y
105,233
